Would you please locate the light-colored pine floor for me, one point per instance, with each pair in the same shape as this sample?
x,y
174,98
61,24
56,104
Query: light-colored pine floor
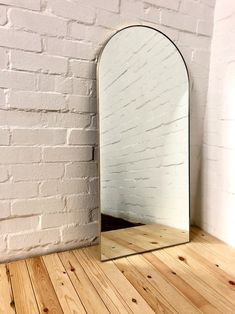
x,y
198,277
122,242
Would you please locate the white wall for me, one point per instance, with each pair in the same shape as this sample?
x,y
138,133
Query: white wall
x,y
217,209
48,109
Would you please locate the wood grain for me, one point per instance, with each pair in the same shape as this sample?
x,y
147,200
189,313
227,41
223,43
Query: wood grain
x,y
123,242
7,304
197,277
44,291
134,300
82,284
110,296
24,298
69,299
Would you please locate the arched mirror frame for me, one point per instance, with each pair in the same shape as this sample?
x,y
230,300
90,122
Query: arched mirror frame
x,y
98,126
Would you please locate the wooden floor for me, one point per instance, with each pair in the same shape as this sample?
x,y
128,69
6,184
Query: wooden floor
x,y
198,277
138,239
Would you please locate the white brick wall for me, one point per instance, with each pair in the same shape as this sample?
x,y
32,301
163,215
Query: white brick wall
x,y
48,109
216,212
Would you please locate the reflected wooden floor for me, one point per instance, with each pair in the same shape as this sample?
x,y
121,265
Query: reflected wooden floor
x,y
197,277
139,239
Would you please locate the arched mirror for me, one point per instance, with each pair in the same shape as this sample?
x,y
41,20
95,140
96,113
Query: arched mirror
x,y
143,92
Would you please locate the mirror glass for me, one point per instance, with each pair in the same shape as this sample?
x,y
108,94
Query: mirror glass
x,y
143,92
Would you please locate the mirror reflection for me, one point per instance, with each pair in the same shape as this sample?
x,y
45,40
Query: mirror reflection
x,y
143,92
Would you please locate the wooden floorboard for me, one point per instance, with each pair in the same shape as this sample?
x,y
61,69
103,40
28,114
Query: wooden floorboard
x,y
197,277
122,242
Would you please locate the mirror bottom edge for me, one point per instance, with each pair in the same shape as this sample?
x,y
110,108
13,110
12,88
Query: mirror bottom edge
x,y
125,242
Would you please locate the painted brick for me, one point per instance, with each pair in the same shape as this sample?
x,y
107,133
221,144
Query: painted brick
x,y
2,99
90,33
42,238
65,187
81,86
83,69
111,5
11,155
64,85
20,39
37,62
17,80
18,224
168,4
27,4
82,103
38,136
46,83
82,137
109,19
132,8
4,137
204,28
86,232
18,190
67,154
81,169
94,123
3,58
37,22
63,219
3,244
151,14
19,118
69,48
37,206
4,209
198,10
190,40
77,202
49,188
65,120
4,176
72,10
3,15
37,100
35,172
179,21
93,185
73,186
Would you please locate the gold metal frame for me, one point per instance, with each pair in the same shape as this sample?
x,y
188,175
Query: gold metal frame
x,y
98,126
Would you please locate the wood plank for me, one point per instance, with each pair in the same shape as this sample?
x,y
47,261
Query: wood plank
x,y
102,284
6,296
111,249
185,272
123,242
134,300
198,277
216,279
181,284
213,244
24,297
44,291
149,292
91,301
216,259
67,295
173,296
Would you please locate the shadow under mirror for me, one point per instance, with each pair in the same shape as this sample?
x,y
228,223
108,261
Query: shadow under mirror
x,y
143,91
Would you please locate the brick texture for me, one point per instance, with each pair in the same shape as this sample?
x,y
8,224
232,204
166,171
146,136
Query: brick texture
x,y
215,212
48,128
